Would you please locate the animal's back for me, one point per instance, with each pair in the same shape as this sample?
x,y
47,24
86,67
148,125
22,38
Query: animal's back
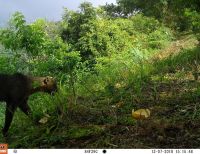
x,y
4,84
13,86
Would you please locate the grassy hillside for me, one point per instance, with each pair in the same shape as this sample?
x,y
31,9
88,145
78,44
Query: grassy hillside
x,y
169,90
106,64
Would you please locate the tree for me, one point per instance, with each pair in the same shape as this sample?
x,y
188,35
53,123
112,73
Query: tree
x,y
167,11
113,10
73,21
20,35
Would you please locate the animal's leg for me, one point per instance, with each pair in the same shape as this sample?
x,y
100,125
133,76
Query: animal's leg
x,y
25,108
10,109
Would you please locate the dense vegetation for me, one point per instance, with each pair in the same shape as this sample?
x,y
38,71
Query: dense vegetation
x,y
107,61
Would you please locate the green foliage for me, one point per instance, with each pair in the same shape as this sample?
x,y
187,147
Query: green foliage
x,y
71,61
28,37
159,38
155,8
6,65
144,24
169,12
97,61
102,39
73,21
91,36
113,11
193,18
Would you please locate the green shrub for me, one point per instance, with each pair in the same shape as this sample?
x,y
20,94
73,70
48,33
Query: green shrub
x,y
158,38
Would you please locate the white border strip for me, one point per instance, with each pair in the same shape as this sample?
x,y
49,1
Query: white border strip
x,y
104,151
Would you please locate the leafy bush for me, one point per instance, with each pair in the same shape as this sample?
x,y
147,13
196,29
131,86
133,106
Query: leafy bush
x,y
158,38
102,39
193,18
144,24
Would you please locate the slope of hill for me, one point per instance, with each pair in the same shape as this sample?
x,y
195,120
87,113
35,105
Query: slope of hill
x,y
171,91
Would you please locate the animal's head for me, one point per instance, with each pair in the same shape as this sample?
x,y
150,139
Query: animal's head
x,y
44,84
49,85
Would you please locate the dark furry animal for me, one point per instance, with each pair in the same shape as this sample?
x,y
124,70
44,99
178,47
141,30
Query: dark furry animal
x,y
15,90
